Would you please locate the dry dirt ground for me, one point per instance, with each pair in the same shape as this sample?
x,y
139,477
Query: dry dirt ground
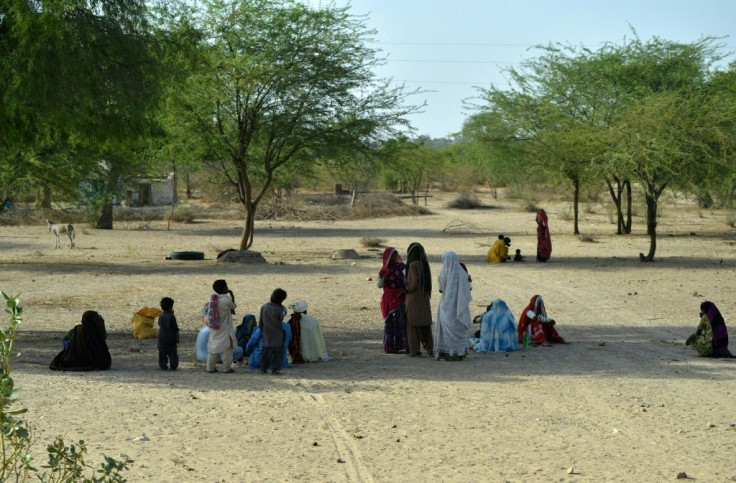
x,y
624,401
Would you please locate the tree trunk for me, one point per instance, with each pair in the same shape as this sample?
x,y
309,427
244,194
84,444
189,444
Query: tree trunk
x,y
616,197
246,239
46,198
188,185
104,220
627,226
575,204
175,196
651,200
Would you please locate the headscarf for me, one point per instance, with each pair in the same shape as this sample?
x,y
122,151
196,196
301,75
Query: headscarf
x,y
416,252
718,328
393,277
300,306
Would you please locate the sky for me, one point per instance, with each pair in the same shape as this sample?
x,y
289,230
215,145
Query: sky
x,y
451,48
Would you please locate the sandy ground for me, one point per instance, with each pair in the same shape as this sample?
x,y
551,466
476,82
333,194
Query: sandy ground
x,y
624,401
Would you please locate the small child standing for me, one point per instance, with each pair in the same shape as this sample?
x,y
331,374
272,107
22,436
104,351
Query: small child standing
x,y
272,314
168,336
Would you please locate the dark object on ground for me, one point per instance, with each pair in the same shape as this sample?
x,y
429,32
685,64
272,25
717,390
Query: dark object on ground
x,y
186,255
225,251
240,256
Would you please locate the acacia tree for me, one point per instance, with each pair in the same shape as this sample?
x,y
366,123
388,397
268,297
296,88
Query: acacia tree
x,y
277,81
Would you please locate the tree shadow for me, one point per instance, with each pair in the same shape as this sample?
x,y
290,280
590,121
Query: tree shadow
x,y
358,362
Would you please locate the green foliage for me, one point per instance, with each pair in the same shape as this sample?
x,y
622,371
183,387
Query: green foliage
x,y
652,114
65,463
269,84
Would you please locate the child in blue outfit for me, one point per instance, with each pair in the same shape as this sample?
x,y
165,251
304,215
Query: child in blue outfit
x,y
168,336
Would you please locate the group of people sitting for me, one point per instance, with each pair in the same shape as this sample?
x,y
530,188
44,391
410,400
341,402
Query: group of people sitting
x,y
272,343
499,251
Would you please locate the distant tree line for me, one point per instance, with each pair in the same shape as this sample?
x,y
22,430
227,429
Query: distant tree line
x,y
258,97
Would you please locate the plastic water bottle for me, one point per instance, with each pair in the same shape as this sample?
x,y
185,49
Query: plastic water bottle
x,y
525,339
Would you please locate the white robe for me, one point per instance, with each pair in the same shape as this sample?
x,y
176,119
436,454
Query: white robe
x,y
223,338
453,315
311,341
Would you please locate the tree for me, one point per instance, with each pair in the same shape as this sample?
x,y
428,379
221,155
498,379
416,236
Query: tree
x,y
673,124
277,81
75,77
635,112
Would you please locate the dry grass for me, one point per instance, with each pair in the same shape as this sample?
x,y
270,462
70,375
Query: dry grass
x,y
583,237
368,242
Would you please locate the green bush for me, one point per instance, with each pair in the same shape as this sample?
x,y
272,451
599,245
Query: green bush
x,y
65,463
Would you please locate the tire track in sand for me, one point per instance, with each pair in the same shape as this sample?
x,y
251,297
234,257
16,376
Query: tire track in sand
x,y
348,451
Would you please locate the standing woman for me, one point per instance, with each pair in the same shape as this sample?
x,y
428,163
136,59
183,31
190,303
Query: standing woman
x,y
391,279
544,242
418,293
453,315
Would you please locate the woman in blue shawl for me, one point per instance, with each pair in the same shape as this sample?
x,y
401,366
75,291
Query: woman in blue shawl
x,y
497,330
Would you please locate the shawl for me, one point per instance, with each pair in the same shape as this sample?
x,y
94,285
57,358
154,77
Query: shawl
x,y
393,277
544,242
453,315
718,327
87,349
416,252
497,329
540,332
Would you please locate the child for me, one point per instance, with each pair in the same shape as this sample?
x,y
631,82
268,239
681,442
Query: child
x,y
168,336
222,340
518,257
272,315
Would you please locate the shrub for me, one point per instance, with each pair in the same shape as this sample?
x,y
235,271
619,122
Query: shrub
x,y
183,214
65,463
466,202
369,242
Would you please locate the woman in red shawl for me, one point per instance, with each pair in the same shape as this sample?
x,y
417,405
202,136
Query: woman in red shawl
x,y
544,242
534,318
393,282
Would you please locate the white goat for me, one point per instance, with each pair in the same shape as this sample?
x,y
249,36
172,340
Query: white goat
x,y
53,228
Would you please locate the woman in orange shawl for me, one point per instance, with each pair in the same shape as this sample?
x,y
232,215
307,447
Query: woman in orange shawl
x,y
534,319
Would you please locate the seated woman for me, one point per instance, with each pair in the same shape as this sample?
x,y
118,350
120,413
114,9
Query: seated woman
x,y
497,330
254,349
499,251
87,349
200,347
243,332
711,337
307,343
534,319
